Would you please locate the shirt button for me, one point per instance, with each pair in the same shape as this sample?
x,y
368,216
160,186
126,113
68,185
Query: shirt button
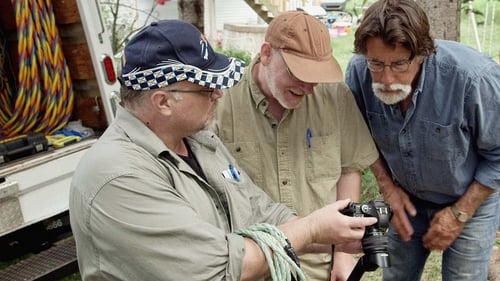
x,y
285,182
408,153
238,149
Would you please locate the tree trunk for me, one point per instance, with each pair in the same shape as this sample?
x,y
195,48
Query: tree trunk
x,y
192,11
444,18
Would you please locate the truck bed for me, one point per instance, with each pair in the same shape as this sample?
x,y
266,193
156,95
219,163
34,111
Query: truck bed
x,y
35,188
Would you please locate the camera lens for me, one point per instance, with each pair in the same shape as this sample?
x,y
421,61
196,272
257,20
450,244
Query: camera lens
x,y
375,245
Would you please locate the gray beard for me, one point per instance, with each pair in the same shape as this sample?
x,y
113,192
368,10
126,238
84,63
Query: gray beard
x,y
403,91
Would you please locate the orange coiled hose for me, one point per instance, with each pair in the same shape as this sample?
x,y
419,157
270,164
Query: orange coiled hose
x,y
44,99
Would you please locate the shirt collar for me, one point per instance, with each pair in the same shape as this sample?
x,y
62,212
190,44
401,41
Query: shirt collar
x,y
428,60
258,98
140,134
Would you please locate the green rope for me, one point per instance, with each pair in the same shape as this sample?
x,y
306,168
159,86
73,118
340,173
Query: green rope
x,y
270,238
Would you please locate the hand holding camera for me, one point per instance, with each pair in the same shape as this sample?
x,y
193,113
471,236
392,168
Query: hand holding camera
x,y
374,241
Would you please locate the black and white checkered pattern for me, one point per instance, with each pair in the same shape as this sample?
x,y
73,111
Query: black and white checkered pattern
x,y
167,74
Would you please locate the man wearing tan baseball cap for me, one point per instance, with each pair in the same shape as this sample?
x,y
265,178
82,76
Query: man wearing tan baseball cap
x,y
304,43
295,128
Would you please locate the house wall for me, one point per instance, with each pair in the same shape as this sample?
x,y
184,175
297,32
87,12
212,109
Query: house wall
x,y
243,37
233,25
218,13
229,24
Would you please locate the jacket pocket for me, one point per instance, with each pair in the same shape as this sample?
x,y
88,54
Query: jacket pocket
x,y
248,156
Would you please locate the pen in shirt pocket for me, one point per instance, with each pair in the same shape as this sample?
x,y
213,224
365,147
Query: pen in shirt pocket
x,y
231,173
308,137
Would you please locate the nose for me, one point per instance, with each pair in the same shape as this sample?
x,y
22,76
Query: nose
x,y
216,94
308,87
387,76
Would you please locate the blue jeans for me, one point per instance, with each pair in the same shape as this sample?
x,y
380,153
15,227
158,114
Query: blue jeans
x,y
466,259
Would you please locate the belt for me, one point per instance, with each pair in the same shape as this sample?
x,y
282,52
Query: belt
x,y
428,204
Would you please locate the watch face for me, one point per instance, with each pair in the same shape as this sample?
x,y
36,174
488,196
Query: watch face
x,y
462,217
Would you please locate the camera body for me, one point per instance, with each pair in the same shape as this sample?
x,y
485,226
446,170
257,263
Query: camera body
x,y
375,208
375,241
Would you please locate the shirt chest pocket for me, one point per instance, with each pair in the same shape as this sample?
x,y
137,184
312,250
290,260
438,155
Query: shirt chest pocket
x,y
384,132
248,156
322,159
440,142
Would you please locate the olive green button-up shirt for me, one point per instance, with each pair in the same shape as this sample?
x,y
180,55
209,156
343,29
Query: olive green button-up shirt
x,y
299,159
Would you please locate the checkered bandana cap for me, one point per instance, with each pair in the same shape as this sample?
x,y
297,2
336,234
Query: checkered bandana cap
x,y
170,51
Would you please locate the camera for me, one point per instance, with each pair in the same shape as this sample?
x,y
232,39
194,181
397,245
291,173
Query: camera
x,y
375,241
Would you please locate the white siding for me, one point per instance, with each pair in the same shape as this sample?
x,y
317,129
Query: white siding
x,y
234,11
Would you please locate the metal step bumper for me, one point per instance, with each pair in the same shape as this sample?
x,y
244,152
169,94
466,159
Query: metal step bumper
x,y
52,264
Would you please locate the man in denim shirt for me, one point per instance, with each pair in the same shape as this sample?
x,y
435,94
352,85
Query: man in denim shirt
x,y
433,108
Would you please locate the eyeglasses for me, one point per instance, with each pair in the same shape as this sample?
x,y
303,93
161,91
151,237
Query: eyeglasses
x,y
288,69
291,74
396,66
210,92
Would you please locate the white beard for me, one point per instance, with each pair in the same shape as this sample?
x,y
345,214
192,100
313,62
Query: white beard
x,y
403,91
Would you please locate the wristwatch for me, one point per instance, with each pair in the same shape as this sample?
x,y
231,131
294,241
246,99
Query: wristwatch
x,y
461,216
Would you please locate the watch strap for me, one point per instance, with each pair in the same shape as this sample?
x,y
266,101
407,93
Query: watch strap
x,y
461,216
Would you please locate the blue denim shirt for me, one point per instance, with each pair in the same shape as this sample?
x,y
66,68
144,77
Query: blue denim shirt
x,y
450,134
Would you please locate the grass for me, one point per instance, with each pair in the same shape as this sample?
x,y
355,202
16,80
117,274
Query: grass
x,y
487,37
343,48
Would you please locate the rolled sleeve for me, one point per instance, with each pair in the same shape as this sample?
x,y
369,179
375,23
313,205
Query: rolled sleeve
x,y
486,111
236,246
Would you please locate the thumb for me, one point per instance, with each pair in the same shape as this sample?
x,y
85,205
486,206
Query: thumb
x,y
342,204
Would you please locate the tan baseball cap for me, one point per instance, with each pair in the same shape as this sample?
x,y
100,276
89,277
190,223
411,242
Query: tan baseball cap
x,y
304,42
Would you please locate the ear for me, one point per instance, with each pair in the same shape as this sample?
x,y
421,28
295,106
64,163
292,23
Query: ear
x,y
162,102
266,52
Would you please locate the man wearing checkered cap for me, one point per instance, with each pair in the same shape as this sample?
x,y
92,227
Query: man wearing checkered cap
x,y
158,197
